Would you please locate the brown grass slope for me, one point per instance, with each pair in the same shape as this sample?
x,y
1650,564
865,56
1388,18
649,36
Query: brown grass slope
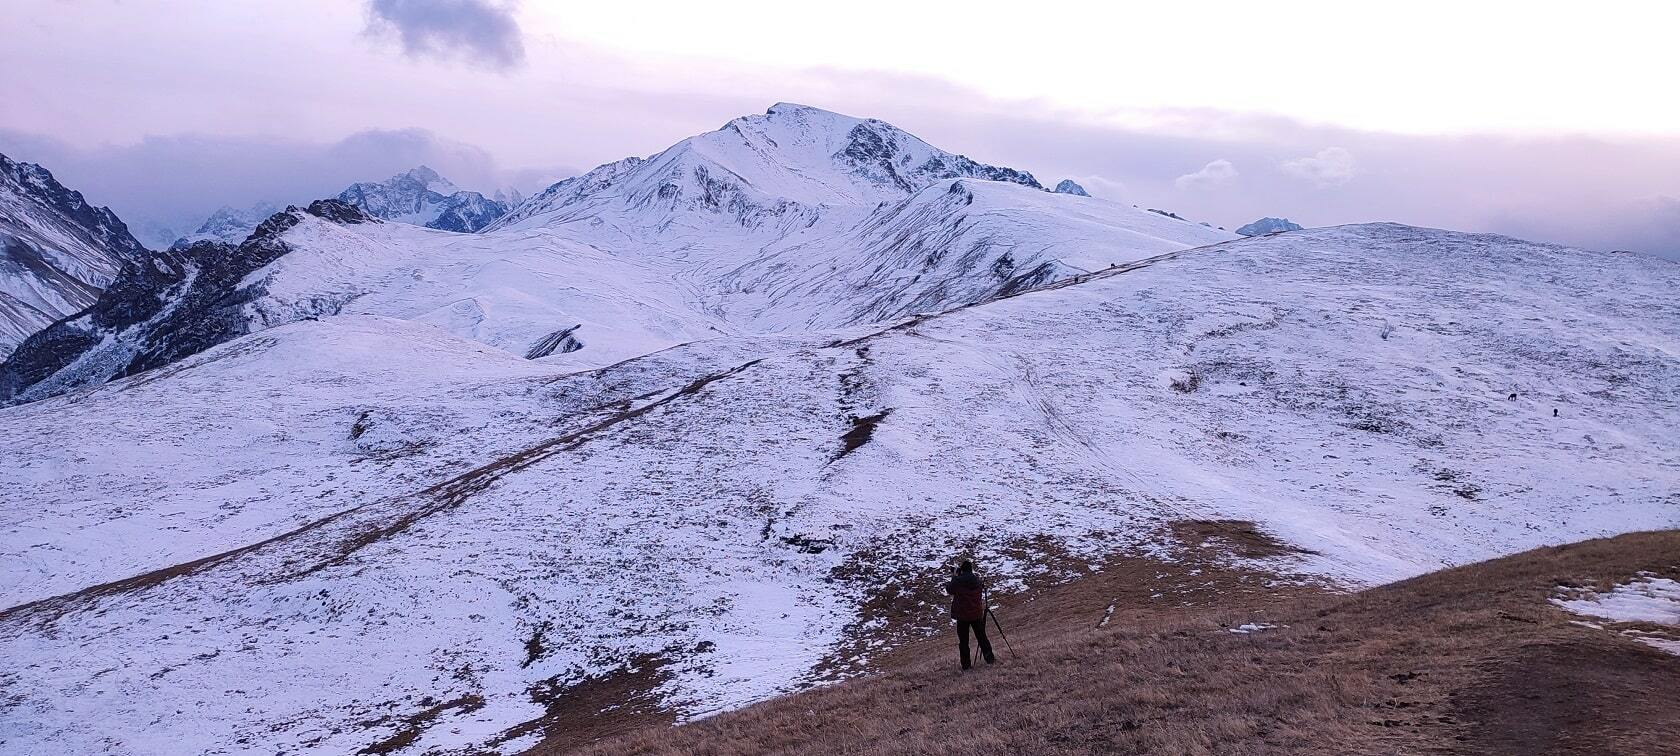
x,y
1467,660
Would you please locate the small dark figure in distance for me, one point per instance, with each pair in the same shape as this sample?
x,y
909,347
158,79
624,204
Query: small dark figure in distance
x,y
968,608
1513,396
1554,412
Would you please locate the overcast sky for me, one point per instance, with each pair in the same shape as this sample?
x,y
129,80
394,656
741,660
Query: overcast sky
x,y
1536,119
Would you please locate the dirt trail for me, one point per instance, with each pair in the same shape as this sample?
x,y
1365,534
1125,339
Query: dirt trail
x,y
437,498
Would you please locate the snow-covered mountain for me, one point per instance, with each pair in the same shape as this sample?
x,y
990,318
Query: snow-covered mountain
x,y
423,198
368,532
56,251
419,196
791,220
1069,186
1268,226
229,224
179,302
778,170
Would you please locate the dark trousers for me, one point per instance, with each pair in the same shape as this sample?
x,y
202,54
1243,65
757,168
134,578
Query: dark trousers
x,y
979,628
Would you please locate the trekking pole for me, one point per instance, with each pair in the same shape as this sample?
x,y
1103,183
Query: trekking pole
x,y
999,626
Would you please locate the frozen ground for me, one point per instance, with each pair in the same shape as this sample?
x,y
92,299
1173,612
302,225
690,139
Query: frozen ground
x,y
1647,599
308,538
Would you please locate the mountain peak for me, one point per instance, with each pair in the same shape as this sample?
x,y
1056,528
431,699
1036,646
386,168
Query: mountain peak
x,y
1069,186
421,197
788,107
1268,226
786,162
426,177
57,250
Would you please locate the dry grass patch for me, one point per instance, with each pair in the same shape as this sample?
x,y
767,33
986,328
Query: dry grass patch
x,y
1468,660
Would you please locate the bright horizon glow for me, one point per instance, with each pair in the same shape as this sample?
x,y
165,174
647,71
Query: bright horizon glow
x,y
1433,67
1539,120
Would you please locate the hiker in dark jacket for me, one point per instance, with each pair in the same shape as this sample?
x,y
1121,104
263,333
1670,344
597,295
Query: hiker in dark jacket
x,y
968,607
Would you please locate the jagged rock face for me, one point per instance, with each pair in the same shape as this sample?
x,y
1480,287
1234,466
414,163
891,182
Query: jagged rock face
x,y
1068,186
171,305
563,341
1268,226
56,251
874,149
424,198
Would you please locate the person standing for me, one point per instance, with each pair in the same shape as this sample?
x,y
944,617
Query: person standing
x,y
968,608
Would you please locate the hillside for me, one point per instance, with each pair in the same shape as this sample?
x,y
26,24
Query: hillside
x,y
1204,654
365,530
57,251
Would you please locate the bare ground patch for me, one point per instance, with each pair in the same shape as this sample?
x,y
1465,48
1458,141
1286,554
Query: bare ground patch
x,y
583,712
1238,537
1202,658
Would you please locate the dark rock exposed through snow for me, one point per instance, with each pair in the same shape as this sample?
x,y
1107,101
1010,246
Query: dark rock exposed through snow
x,y
1069,186
1268,226
57,251
174,304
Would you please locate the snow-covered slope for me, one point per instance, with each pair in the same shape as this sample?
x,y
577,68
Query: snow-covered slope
x,y
56,251
337,532
795,219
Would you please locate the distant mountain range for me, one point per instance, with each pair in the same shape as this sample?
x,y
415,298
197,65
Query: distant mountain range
x,y
419,196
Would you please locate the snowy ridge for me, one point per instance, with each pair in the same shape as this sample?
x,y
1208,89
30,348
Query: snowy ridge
x,y
794,219
468,526
56,251
792,159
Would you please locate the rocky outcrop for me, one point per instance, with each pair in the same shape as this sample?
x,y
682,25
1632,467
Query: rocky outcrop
x,y
1068,186
170,305
1268,226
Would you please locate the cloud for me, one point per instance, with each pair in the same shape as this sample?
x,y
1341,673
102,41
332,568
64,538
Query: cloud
x,y
477,30
1215,174
1645,224
1332,166
1599,192
1102,187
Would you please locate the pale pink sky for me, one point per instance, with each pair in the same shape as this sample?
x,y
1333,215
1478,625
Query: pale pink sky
x,y
1536,119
